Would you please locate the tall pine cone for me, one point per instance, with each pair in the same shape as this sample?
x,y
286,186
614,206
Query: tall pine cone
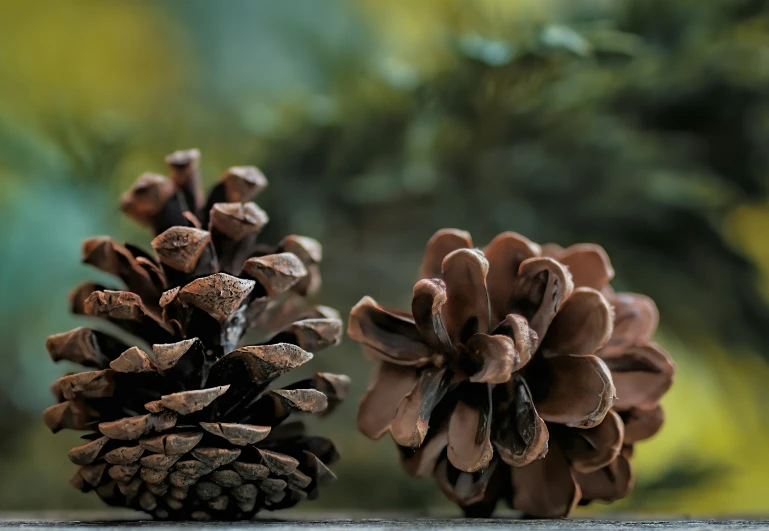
x,y
517,375
180,421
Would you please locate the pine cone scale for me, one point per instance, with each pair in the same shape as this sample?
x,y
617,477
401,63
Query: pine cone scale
x,y
522,435
443,243
642,375
586,311
469,437
466,311
427,306
572,390
390,337
642,424
497,357
505,254
611,482
409,425
593,448
545,487
389,386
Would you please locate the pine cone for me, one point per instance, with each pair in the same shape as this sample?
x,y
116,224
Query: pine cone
x,y
518,374
187,427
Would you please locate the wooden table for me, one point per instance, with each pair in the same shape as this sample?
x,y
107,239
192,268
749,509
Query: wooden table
x,y
127,520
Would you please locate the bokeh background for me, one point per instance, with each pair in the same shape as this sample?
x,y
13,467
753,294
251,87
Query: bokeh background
x,y
642,125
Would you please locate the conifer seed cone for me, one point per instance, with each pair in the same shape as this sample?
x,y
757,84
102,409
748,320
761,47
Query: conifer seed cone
x,y
178,416
518,374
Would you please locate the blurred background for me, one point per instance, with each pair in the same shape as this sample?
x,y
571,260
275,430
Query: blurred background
x,y
642,125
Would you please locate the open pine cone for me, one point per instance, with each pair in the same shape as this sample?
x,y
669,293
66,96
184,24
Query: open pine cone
x,y
180,421
517,375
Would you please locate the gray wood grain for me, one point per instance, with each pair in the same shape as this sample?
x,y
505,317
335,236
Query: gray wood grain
x,y
129,520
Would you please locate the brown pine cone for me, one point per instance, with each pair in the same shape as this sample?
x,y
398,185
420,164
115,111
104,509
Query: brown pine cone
x,y
179,416
512,378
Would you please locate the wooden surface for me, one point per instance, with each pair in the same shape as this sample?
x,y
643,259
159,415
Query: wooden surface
x,y
331,522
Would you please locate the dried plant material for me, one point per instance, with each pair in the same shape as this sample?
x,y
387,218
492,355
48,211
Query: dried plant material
x,y
642,374
155,202
133,360
389,386
189,429
521,434
393,338
591,449
182,248
572,390
443,243
237,220
239,184
409,426
518,374
312,334
185,175
310,253
276,273
219,295
469,443
545,487
237,434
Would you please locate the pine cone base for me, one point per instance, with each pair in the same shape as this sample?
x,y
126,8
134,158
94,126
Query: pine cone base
x,y
215,480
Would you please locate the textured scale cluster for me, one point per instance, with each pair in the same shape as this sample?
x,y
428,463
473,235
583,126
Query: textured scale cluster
x,y
518,374
179,418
